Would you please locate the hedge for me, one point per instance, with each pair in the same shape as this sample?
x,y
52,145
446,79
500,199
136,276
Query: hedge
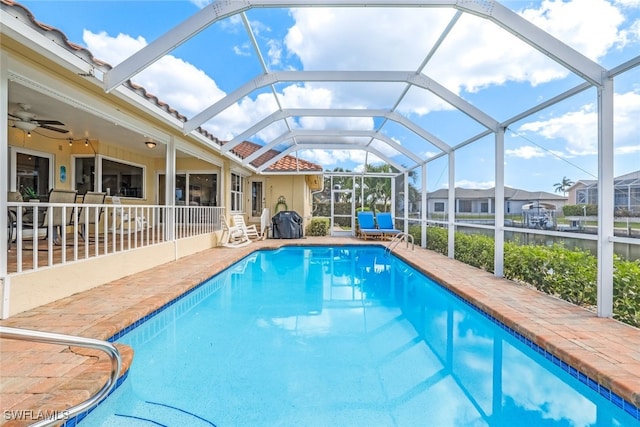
x,y
555,270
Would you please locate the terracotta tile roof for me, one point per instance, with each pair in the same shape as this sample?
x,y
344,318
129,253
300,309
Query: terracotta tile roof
x,y
285,164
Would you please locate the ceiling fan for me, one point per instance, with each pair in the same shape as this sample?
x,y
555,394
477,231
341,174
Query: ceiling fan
x,y
26,120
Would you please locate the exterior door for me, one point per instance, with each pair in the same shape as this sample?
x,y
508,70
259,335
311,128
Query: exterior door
x,y
257,200
342,212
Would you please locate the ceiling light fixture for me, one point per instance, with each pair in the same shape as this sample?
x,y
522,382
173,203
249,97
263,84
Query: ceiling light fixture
x,y
150,144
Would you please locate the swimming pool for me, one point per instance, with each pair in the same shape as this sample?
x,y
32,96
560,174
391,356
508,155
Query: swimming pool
x,y
339,336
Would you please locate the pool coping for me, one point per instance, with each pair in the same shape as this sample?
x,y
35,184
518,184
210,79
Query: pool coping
x,y
602,352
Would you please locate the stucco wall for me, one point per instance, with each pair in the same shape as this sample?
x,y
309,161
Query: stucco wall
x,y
30,290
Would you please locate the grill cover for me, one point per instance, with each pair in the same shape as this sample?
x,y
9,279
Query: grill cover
x,y
286,225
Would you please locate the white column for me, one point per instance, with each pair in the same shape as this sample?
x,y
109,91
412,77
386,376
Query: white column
x,y
4,188
393,195
605,199
406,202
170,188
452,205
424,201
498,255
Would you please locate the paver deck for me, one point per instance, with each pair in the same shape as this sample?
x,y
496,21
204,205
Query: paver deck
x,y
36,378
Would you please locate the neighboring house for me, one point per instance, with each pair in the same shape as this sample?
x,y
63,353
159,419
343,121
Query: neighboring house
x,y
626,189
482,201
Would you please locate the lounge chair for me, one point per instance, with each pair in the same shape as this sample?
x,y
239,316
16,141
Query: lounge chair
x,y
125,218
250,230
233,236
385,224
366,226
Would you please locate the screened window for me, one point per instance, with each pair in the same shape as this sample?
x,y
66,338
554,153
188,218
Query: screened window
x,y
438,206
237,184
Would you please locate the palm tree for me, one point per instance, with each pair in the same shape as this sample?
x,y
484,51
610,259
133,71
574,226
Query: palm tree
x,y
563,186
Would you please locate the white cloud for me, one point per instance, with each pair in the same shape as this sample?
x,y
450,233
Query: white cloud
x,y
465,183
589,26
579,128
526,152
200,3
333,158
176,82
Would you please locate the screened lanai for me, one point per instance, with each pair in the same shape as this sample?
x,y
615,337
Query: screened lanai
x,y
426,94
408,124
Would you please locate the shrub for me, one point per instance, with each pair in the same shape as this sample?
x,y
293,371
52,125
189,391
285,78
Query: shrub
x,y
578,210
318,227
626,291
565,273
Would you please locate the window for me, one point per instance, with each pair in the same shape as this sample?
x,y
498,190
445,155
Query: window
x,y
438,206
484,207
465,206
115,178
122,179
203,189
237,184
85,174
33,174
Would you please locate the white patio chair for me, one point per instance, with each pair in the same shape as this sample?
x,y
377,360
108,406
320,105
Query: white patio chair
x,y
250,230
233,236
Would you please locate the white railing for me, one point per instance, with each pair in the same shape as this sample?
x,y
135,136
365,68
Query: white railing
x,y
37,239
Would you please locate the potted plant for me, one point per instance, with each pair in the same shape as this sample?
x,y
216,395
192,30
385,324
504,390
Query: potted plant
x,y
28,193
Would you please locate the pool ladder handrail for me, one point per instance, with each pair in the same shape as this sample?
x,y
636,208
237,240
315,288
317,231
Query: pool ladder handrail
x,y
397,239
62,339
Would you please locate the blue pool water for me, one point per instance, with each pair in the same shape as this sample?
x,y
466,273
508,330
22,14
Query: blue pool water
x,y
347,336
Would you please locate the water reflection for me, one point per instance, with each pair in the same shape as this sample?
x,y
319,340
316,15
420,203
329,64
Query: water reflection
x,y
496,380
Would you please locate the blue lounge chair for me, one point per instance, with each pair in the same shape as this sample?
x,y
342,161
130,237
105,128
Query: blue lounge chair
x,y
385,224
367,226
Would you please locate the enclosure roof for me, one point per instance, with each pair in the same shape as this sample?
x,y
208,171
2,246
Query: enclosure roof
x,y
297,133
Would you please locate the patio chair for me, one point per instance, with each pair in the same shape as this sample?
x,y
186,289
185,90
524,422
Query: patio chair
x,y
12,216
385,224
233,236
61,217
250,230
90,215
366,226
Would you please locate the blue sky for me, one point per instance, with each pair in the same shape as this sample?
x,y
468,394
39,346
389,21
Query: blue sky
x,y
478,61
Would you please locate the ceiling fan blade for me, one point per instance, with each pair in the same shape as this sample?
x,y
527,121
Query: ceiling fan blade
x,y
49,122
53,129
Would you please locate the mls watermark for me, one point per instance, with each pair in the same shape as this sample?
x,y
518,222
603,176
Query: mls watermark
x,y
34,415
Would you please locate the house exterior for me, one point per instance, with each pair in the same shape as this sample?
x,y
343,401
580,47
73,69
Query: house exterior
x,y
626,193
482,201
64,132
